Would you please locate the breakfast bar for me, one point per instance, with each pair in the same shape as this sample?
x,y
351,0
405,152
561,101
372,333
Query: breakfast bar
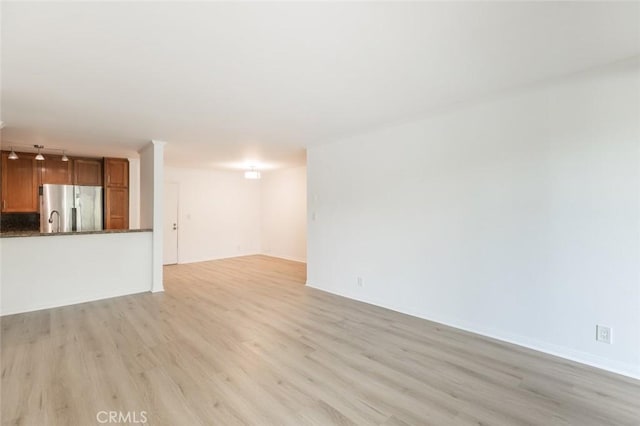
x,y
47,270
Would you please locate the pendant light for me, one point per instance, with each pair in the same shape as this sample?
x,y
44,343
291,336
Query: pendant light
x,y
252,174
64,157
39,157
13,155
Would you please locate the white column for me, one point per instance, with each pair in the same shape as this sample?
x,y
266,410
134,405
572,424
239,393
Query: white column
x,y
151,203
134,193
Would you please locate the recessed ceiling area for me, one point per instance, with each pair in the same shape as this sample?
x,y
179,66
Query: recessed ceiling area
x,y
229,83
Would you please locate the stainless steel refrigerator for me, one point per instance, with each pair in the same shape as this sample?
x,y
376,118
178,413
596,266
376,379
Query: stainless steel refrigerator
x,y
68,208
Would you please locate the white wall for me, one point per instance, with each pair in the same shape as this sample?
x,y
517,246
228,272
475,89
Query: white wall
x,y
284,213
516,218
219,214
146,187
134,193
51,271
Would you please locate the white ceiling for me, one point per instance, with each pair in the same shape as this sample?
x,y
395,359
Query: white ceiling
x,y
224,83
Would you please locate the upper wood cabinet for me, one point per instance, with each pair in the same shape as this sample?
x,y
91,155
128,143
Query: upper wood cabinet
x,y
116,172
20,184
87,171
56,171
116,193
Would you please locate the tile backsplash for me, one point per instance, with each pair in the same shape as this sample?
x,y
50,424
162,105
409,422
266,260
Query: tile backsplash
x,y
10,222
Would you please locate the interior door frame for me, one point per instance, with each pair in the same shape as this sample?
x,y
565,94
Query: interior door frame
x,y
177,186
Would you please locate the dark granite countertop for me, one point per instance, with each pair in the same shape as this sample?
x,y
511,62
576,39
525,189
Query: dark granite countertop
x,y
14,234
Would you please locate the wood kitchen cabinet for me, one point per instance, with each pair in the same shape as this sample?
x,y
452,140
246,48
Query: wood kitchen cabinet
x,y
116,208
87,171
116,193
20,184
57,172
116,172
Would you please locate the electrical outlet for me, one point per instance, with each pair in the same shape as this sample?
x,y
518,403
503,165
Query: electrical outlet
x,y
603,334
360,282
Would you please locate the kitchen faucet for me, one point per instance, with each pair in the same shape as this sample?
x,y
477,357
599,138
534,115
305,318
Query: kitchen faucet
x,y
51,218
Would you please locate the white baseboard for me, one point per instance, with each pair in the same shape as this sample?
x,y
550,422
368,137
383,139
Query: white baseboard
x,y
293,259
208,259
617,367
59,304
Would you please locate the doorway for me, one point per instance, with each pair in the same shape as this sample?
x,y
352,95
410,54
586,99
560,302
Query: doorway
x,y
170,246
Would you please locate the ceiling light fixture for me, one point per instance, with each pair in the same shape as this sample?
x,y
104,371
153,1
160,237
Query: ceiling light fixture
x,y
64,157
13,155
39,157
252,174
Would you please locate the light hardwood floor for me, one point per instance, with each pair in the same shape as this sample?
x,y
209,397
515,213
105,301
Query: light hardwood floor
x,y
242,341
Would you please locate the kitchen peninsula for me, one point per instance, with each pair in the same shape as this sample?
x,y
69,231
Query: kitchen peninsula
x,y
62,256
16,234
40,272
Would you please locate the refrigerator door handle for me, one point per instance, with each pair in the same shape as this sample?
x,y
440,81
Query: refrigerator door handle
x,y
74,226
